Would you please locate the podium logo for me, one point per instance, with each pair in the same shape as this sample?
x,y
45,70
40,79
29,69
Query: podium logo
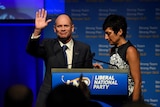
x,y
75,81
104,81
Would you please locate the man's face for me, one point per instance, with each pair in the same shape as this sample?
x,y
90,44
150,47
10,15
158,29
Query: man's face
x,y
64,28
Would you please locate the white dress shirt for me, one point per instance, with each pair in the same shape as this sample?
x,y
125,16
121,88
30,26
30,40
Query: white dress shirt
x,y
69,52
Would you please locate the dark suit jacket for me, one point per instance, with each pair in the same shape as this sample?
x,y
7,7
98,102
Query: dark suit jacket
x,y
51,51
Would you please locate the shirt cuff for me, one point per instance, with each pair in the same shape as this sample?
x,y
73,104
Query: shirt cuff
x,y
35,37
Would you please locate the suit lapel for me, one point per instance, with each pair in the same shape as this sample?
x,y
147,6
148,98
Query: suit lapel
x,y
76,53
58,53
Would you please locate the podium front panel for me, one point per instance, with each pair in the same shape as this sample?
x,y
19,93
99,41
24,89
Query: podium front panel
x,y
99,82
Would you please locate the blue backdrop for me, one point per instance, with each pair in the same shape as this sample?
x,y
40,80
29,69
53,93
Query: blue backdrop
x,y
15,64
143,18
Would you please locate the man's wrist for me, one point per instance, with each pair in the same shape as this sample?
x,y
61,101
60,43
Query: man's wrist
x,y
37,32
35,37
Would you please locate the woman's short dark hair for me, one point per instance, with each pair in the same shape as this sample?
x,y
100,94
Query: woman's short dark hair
x,y
116,22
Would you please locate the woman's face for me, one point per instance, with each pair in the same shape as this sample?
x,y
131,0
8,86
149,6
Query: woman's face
x,y
111,37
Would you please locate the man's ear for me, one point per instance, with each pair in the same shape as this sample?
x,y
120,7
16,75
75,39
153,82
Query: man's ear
x,y
54,29
72,27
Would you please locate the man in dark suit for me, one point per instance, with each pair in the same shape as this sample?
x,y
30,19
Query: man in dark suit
x,y
78,53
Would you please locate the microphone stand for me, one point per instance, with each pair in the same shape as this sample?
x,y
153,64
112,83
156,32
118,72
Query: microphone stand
x,y
105,62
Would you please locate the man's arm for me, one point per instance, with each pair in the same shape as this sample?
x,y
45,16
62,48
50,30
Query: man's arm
x,y
33,47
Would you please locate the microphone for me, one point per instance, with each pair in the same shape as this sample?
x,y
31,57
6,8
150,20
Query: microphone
x,y
93,54
92,58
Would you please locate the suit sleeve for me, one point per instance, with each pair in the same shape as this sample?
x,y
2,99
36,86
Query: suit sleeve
x,y
36,49
89,57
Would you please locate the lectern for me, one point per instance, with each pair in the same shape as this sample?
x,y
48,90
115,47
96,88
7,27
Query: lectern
x,y
101,82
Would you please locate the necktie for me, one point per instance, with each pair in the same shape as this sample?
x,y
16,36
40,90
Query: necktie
x,y
64,47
